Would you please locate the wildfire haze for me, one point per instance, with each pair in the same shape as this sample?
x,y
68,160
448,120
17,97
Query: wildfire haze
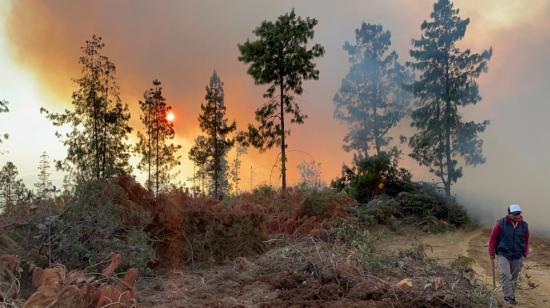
x,y
182,42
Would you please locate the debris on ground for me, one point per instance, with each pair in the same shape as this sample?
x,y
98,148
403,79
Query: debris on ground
x,y
310,273
9,282
56,287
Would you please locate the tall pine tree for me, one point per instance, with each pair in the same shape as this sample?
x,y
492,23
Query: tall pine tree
x,y
447,81
158,155
280,58
96,145
214,123
44,185
372,98
12,189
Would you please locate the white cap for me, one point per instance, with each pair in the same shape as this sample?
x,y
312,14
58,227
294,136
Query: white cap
x,y
514,208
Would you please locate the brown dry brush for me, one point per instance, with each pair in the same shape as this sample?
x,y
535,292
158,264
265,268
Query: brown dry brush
x,y
188,230
312,267
58,288
314,273
218,234
302,211
209,231
9,280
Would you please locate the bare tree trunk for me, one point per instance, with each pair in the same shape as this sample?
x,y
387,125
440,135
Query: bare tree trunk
x,y
283,144
448,150
216,156
105,122
448,134
149,147
157,115
95,125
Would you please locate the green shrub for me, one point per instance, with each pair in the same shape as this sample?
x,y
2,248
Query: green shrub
x,y
388,193
463,265
433,210
367,255
100,220
381,210
264,191
438,226
457,215
344,233
314,203
379,261
372,176
138,249
363,243
324,203
395,226
419,204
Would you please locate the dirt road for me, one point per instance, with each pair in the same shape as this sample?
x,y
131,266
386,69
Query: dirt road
x,y
534,286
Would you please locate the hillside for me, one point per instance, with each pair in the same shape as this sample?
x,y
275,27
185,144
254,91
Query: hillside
x,y
312,247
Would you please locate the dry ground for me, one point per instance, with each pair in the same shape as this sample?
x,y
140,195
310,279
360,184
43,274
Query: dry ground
x,y
247,283
534,287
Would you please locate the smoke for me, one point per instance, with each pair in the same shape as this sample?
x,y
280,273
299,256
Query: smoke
x,y
182,42
515,100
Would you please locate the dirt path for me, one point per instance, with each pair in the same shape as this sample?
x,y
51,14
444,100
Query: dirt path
x,y
448,246
249,283
534,287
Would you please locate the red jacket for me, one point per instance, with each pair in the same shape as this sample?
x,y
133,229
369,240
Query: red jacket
x,y
493,239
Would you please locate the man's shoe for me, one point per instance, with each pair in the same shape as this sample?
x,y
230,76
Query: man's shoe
x,y
511,300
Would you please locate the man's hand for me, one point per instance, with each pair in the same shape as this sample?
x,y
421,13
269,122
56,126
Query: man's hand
x,y
492,256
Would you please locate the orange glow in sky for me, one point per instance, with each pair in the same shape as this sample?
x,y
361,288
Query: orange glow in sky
x,y
40,45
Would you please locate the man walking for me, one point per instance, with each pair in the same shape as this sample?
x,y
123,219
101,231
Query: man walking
x,y
509,241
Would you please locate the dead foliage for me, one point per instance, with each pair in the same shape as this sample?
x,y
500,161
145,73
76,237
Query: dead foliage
x,y
9,279
301,212
167,230
218,233
189,230
306,272
315,273
59,288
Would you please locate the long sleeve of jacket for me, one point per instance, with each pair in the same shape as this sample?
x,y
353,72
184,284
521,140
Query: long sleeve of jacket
x,y
493,239
526,249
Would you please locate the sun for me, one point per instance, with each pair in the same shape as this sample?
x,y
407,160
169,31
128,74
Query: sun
x,y
170,116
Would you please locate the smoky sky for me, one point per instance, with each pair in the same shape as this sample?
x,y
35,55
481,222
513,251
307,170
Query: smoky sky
x,y
182,42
